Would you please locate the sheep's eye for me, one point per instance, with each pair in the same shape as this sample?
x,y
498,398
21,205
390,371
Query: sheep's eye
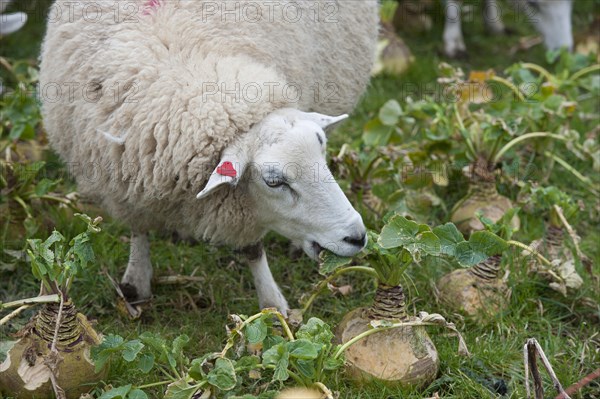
x,y
275,183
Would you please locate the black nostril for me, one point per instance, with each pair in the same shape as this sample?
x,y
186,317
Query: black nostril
x,y
359,242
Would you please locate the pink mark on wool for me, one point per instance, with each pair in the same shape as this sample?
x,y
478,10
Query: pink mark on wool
x,y
151,5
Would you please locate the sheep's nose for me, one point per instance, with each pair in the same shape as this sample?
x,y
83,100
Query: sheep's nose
x,y
359,241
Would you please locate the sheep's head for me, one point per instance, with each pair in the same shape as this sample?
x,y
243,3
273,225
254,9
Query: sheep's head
x,y
280,163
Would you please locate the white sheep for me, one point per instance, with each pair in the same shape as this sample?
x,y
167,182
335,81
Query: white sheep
x,y
152,102
552,18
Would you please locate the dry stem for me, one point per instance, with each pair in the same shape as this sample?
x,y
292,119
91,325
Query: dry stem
x,y
530,350
55,358
584,259
13,314
580,384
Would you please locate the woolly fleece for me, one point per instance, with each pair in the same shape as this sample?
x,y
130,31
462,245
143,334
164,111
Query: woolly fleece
x,y
141,103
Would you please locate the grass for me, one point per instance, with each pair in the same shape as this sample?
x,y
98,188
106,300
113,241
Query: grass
x,y
567,328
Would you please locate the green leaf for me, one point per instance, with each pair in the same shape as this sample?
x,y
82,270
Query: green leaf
x,y
303,349
427,242
449,237
315,330
330,262
256,331
306,368
156,343
281,372
171,360
331,363
481,245
54,238
376,134
390,113
102,353
398,232
272,340
222,375
279,357
487,243
119,392
247,363
145,362
137,394
131,350
178,344
44,186
180,390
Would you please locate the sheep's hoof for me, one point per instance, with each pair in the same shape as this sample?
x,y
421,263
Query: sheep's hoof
x,y
131,295
129,302
457,54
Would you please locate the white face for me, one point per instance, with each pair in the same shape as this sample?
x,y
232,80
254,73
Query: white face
x,y
552,18
287,177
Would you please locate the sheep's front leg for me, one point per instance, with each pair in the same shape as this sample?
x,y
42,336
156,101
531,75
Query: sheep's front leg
x,y
269,295
492,16
454,43
136,282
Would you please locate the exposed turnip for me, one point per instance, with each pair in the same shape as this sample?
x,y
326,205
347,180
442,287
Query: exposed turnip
x,y
300,393
25,372
52,355
482,198
555,208
383,342
403,356
477,291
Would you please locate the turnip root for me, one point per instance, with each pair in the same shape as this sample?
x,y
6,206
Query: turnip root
x,y
25,372
477,291
300,393
393,56
52,356
484,198
552,246
403,356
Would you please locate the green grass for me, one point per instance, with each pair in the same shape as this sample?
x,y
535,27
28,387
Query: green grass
x,y
565,327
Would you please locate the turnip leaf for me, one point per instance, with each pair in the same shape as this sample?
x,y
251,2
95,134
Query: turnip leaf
x,y
303,349
137,394
390,113
119,392
449,237
256,331
131,350
145,362
180,389
330,262
481,245
315,330
223,375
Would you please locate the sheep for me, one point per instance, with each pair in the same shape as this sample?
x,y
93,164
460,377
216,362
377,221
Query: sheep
x,y
208,118
552,18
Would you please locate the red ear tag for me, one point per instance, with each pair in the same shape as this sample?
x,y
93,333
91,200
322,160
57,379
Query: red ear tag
x,y
227,169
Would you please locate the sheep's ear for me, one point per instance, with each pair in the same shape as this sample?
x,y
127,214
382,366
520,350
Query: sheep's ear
x,y
229,171
324,121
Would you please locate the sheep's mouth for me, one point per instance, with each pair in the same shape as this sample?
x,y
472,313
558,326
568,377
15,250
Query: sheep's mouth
x,y
317,247
312,249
